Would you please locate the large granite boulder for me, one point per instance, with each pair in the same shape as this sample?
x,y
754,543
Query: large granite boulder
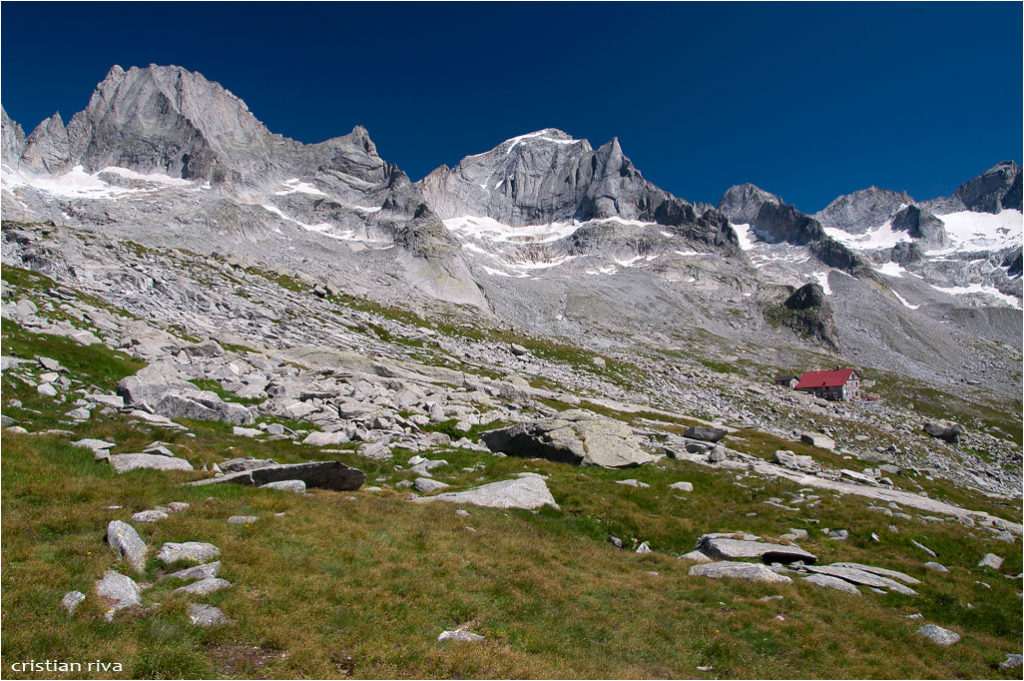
x,y
751,572
573,436
332,475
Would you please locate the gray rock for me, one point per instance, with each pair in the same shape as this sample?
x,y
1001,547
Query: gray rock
x,y
191,551
127,544
631,482
333,475
242,519
644,548
884,572
696,556
819,440
682,486
573,436
1012,661
796,462
196,572
855,576
123,463
426,485
751,572
46,390
202,615
93,444
830,582
203,587
459,635
243,464
246,432
71,601
938,567
49,364
923,548
293,486
738,549
320,439
150,516
117,592
943,431
991,560
178,506
79,414
705,433
936,634
525,492
840,535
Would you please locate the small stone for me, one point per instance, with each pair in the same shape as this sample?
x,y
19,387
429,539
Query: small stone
x,y
991,560
151,516
178,506
936,634
632,483
49,364
615,541
46,390
203,587
242,519
79,414
682,486
71,601
1012,661
830,582
202,615
462,512
839,535
938,567
246,432
644,548
696,556
458,635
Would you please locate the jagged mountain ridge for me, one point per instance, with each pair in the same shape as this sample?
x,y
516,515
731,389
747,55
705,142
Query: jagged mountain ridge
x,y
544,232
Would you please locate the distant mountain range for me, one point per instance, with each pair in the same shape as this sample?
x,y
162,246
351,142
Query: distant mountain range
x,y
543,232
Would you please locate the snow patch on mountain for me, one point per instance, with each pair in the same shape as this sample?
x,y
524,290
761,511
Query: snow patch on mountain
x,y
968,230
975,289
489,230
79,184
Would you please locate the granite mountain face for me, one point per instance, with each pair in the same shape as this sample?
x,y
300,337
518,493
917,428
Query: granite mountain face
x,y
543,233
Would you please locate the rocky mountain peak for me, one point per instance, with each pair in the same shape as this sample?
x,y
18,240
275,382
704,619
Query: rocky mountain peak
x,y
862,210
996,189
13,139
741,203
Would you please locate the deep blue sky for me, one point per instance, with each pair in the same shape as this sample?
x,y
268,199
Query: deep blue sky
x,y
808,101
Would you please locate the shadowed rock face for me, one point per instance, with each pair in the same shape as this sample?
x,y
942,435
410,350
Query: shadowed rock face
x,y
920,224
997,188
809,312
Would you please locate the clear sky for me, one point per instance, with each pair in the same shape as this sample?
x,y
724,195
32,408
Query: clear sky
x,y
808,101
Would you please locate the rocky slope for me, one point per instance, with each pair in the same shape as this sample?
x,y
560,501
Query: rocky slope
x,y
543,233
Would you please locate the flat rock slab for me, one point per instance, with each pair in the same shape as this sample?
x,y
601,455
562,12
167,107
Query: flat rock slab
x,y
936,634
242,464
126,543
991,560
193,551
751,572
819,440
696,557
830,582
203,587
855,576
459,636
573,436
682,486
202,615
203,571
704,433
242,519
118,592
891,574
739,549
123,463
333,475
93,444
529,491
293,486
